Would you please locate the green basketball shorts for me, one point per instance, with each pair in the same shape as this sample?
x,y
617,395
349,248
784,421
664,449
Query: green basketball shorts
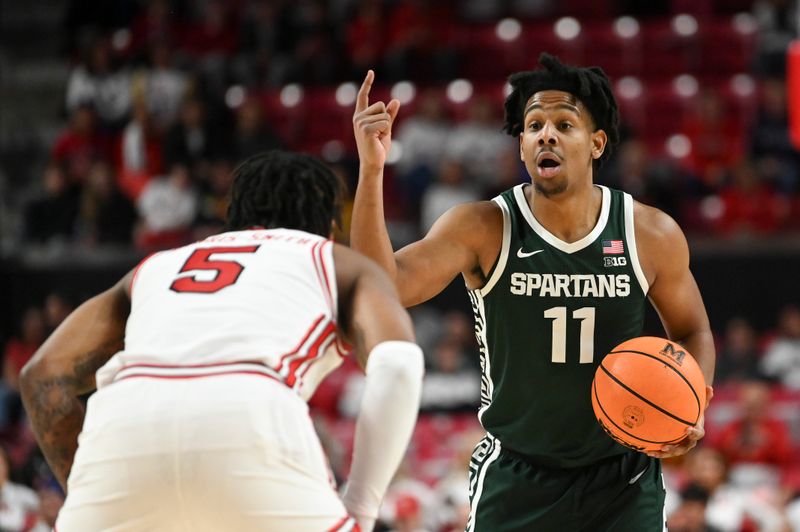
x,y
508,492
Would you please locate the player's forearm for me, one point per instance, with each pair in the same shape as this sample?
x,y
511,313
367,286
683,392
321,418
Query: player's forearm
x,y
368,233
56,415
385,424
64,368
700,344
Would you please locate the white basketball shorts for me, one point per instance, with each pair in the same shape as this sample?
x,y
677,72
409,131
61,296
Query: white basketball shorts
x,y
229,452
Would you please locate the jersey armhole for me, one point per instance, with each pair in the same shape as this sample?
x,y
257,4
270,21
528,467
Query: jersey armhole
x,y
499,265
322,259
630,236
136,273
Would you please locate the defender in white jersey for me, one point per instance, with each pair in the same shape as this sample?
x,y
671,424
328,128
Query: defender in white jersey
x,y
207,355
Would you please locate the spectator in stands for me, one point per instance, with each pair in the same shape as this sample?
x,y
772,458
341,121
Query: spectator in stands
x,y
781,359
716,141
211,39
156,22
449,189
749,205
192,140
252,133
139,153
634,169
167,206
20,505
770,145
51,216
163,86
100,84
214,200
451,383
423,137
738,358
729,508
365,37
313,43
57,307
453,488
777,21
20,349
407,514
263,56
479,143
756,437
509,172
420,41
80,145
690,516
107,215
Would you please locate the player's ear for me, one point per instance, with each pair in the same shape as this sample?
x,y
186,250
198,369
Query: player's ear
x,y
599,141
521,152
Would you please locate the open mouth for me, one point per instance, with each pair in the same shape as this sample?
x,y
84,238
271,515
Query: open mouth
x,y
548,165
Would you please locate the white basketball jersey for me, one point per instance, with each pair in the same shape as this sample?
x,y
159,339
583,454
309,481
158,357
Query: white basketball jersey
x,y
257,301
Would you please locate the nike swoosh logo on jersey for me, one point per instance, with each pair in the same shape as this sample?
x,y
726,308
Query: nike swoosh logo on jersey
x,y
521,254
634,479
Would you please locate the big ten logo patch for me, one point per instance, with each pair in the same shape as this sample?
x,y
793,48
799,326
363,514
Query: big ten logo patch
x,y
609,262
677,356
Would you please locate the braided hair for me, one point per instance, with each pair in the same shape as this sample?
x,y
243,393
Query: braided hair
x,y
590,85
281,189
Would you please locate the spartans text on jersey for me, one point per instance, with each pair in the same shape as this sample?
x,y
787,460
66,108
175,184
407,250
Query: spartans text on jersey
x,y
562,285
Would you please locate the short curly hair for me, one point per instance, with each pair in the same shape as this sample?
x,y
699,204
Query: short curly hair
x,y
282,189
590,85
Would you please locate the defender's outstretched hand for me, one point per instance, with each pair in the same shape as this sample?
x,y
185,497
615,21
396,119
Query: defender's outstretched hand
x,y
372,125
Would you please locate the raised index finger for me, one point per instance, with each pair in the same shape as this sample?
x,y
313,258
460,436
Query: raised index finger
x,y
362,100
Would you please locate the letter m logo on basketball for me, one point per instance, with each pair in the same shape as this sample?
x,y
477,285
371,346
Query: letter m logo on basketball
x,y
669,351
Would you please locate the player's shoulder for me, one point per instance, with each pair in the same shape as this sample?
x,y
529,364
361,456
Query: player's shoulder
x,y
473,219
659,239
654,224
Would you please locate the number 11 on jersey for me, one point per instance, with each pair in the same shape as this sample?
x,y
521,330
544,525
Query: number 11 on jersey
x,y
559,317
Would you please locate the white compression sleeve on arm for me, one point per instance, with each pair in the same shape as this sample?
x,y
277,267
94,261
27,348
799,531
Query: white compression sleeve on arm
x,y
385,424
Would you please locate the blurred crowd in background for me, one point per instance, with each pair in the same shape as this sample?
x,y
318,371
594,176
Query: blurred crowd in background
x,y
163,97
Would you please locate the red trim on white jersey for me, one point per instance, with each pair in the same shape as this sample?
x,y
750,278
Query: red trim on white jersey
x,y
300,345
322,277
320,352
346,524
163,371
312,351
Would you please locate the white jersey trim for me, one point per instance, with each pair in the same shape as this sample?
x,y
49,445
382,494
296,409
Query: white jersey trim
x,y
494,454
487,385
503,258
630,236
550,238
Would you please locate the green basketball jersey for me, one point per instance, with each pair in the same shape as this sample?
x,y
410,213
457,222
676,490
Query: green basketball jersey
x,y
549,313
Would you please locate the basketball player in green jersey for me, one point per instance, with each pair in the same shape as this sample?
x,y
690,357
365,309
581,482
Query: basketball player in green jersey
x,y
558,272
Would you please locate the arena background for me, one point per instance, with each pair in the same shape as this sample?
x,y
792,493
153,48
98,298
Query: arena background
x,y
121,120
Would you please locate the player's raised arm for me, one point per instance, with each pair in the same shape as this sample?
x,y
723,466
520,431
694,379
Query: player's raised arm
x,y
372,317
676,297
64,368
423,269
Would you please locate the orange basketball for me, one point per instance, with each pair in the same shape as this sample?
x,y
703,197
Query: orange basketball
x,y
647,391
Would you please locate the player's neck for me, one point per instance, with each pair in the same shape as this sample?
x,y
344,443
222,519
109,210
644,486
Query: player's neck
x,y
570,215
